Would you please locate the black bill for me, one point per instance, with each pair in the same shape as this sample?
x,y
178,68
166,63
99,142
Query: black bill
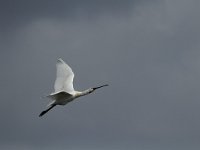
x,y
99,86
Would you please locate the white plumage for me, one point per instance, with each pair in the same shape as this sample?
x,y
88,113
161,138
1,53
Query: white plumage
x,y
64,90
65,77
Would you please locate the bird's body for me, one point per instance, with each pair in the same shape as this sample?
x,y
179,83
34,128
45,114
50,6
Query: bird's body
x,y
64,90
61,98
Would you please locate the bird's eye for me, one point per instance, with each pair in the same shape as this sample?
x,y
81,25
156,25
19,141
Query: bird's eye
x,y
91,91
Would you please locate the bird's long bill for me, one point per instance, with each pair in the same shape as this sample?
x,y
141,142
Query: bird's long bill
x,y
100,86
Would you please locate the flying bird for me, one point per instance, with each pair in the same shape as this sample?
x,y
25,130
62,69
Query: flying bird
x,y
64,90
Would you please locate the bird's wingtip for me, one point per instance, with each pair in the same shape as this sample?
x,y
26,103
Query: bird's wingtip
x,y
59,60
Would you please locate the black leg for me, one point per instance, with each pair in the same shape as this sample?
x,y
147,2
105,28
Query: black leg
x,y
45,111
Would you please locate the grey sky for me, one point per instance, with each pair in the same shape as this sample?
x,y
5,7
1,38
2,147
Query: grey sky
x,y
148,51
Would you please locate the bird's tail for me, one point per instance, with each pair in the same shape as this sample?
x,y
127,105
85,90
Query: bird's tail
x,y
45,111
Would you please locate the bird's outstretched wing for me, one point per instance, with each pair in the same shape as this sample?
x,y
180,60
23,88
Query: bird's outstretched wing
x,y
64,79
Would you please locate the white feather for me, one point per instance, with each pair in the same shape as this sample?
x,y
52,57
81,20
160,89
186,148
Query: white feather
x,y
64,79
64,90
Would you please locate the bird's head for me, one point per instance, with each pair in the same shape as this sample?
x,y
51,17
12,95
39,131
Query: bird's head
x,y
98,87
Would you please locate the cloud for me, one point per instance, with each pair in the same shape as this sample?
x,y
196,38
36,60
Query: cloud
x,y
18,13
149,55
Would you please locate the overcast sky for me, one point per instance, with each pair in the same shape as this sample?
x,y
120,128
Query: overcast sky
x,y
148,51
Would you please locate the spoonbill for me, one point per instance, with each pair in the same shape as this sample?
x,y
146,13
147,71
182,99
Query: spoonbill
x,y
64,90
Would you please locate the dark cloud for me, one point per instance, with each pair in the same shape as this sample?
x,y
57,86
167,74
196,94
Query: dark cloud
x,y
149,56
16,13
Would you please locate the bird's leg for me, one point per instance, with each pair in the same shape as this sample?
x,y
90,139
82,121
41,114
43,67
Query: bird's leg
x,y
45,111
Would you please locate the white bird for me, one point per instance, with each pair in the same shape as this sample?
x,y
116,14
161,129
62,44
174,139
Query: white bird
x,y
64,90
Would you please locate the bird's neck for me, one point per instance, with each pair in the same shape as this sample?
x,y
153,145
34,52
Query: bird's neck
x,y
82,93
